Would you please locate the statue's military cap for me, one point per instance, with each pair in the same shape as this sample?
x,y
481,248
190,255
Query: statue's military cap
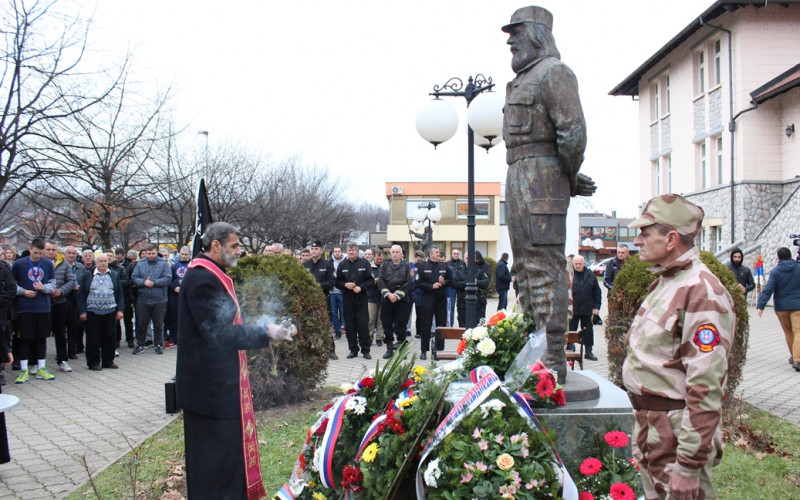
x,y
530,14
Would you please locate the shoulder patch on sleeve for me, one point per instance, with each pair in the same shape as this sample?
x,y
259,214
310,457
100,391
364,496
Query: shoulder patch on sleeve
x,y
706,337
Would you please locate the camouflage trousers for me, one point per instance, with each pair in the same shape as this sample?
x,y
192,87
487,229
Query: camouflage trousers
x,y
654,447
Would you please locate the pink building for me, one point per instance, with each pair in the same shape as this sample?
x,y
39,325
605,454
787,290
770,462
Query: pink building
x,y
718,105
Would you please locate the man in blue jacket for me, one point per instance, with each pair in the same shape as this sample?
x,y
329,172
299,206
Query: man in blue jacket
x,y
152,276
784,282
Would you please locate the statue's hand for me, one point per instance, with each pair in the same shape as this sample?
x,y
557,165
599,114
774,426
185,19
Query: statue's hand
x,y
585,186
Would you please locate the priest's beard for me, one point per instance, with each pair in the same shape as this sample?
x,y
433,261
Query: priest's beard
x,y
229,259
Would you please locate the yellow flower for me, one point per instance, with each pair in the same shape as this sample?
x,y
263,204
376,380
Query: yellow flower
x,y
505,461
319,496
419,370
370,452
311,484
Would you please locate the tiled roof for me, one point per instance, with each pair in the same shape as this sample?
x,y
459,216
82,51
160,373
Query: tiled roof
x,y
778,85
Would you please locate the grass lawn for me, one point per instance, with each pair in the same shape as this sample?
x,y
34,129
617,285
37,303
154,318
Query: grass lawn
x,y
761,460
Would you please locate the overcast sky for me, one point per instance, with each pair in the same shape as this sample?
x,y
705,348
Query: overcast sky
x,y
339,84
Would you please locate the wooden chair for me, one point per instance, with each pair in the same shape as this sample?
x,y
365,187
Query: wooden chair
x,y
577,355
445,333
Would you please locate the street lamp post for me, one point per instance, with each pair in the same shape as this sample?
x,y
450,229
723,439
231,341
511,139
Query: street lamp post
x,y
438,121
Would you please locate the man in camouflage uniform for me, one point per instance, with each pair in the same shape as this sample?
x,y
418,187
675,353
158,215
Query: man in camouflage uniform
x,y
677,356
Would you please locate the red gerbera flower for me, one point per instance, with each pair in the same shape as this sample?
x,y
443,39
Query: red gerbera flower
x,y
545,387
461,346
591,466
617,439
367,382
559,398
621,491
498,317
351,476
302,460
322,428
585,495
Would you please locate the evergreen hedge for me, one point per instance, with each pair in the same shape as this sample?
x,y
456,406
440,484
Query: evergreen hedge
x,y
279,286
631,286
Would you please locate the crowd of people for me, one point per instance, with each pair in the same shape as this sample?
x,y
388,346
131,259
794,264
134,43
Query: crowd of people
x,y
86,299
372,300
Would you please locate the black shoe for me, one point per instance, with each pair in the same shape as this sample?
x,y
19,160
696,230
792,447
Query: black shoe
x,y
15,366
367,356
389,353
96,368
131,344
148,343
73,356
796,366
333,356
590,356
423,356
416,336
337,336
353,354
379,343
791,360
113,366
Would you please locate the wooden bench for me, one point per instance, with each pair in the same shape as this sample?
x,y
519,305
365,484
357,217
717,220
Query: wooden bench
x,y
445,333
577,355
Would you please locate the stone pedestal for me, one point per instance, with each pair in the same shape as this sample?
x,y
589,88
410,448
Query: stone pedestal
x,y
575,424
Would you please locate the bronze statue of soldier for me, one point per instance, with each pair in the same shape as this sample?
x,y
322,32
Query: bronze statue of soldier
x,y
545,135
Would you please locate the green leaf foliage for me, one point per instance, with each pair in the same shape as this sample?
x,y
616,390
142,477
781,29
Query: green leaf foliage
x,y
632,285
280,287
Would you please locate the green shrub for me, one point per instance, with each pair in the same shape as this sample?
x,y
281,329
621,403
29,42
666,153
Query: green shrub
x,y
279,286
631,287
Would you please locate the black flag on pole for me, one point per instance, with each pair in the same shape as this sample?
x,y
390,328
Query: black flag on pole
x,y
203,218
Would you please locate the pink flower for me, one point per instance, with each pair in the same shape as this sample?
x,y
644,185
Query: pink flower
x,y
469,466
507,491
591,466
481,466
465,478
515,477
515,439
483,445
499,439
617,439
621,491
477,433
524,452
532,484
585,495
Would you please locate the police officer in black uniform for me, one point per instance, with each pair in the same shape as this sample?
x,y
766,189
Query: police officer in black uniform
x,y
433,277
354,278
322,270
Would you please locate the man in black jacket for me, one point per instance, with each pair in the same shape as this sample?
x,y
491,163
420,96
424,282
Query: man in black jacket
x,y
586,301
433,277
212,380
323,273
743,274
613,266
354,278
502,281
394,283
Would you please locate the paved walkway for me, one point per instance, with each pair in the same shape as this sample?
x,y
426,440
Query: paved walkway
x,y
91,414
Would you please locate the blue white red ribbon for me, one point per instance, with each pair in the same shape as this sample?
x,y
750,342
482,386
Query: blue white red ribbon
x,y
329,441
372,431
285,493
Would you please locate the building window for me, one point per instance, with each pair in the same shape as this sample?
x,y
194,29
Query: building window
x,y
700,73
502,212
666,94
700,240
656,166
481,209
717,63
413,205
668,161
703,167
717,235
719,160
655,109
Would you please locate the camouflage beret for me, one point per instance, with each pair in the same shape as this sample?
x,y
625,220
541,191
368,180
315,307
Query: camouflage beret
x,y
531,14
673,211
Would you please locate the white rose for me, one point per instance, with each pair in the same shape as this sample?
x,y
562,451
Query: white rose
x,y
486,346
432,473
479,333
345,388
467,335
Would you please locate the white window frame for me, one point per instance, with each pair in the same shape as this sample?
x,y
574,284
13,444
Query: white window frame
x,y
478,202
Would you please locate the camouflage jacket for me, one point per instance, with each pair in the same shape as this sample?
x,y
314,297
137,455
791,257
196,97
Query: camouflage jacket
x,y
677,348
